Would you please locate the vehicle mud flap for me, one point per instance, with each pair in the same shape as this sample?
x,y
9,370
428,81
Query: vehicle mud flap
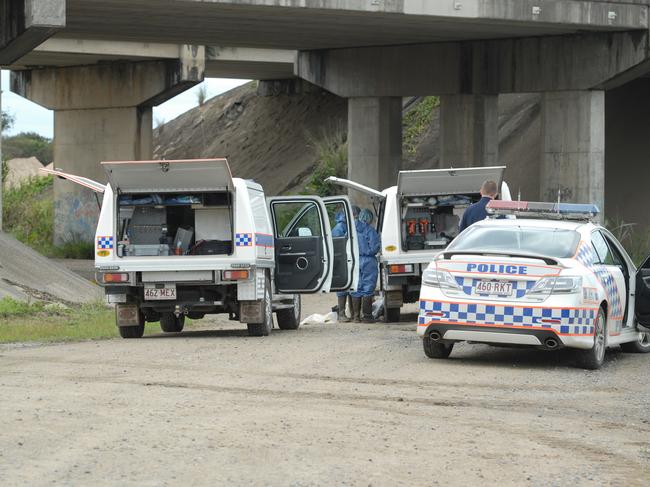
x,y
251,311
127,315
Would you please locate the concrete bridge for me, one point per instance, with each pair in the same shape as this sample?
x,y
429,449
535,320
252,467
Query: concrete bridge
x,y
102,65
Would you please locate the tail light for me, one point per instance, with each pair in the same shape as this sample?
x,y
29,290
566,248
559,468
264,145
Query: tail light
x,y
400,269
115,277
235,275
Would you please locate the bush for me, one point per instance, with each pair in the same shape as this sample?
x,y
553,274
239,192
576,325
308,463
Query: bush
x,y
28,213
635,240
332,153
416,121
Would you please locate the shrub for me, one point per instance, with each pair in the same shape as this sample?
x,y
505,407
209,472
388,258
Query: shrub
x,y
416,121
332,156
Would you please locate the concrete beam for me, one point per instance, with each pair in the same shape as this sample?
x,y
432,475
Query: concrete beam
x,y
538,64
469,130
573,147
111,85
249,63
24,24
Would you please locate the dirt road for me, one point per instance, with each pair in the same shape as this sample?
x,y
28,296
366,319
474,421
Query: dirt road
x,y
326,405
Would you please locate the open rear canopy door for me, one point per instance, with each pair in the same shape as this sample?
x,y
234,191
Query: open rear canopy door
x,y
194,175
432,182
80,180
346,183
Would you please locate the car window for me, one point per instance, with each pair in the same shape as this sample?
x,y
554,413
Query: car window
x,y
552,242
297,219
602,249
616,255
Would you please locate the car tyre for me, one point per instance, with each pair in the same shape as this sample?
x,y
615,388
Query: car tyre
x,y
436,350
264,329
642,345
593,358
289,319
169,323
133,331
392,315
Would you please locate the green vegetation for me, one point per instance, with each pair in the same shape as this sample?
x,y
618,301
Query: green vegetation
x,y
28,214
635,240
416,121
332,152
27,144
53,322
6,120
43,322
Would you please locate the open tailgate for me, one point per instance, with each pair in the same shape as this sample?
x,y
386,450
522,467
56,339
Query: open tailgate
x,y
432,182
194,175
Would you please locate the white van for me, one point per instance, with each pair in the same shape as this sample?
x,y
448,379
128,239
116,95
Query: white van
x,y
185,238
416,220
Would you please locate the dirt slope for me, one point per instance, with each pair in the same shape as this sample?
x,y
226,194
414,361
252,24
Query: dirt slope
x,y
268,138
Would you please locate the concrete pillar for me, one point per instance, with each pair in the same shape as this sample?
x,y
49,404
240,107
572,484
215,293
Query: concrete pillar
x,y
469,130
573,147
374,142
101,113
627,151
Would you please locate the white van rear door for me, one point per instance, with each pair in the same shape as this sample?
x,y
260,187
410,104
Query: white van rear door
x,y
80,180
346,183
194,175
345,243
433,182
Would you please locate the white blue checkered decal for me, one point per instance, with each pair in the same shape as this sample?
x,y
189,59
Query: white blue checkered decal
x,y
244,239
520,288
587,256
104,243
568,321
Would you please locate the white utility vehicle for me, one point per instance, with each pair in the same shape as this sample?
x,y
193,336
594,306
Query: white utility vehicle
x,y
416,220
185,238
549,279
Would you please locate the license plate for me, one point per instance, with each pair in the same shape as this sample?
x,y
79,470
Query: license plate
x,y
166,293
494,288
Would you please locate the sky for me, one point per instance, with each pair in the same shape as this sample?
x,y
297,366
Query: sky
x,y
30,117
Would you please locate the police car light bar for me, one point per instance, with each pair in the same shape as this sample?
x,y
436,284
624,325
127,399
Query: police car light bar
x,y
551,211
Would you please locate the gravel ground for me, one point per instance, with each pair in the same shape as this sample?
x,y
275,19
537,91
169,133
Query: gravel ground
x,y
324,405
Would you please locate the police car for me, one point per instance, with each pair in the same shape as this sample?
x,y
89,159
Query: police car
x,y
540,275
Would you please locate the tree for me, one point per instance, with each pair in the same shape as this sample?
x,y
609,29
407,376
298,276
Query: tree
x,y
7,121
27,144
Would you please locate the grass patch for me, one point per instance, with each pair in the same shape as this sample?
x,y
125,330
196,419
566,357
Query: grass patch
x,y
635,239
42,322
332,153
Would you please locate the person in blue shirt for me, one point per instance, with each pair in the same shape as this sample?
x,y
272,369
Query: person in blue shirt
x,y
478,212
341,230
369,246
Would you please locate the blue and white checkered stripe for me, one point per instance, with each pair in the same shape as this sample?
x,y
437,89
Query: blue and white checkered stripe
x,y
244,239
520,288
570,321
104,243
587,257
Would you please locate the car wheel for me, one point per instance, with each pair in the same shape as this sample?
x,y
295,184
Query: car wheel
x,y
593,358
392,315
433,349
642,345
289,319
169,323
132,331
264,329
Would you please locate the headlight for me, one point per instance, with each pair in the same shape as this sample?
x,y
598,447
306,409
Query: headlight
x,y
440,279
556,285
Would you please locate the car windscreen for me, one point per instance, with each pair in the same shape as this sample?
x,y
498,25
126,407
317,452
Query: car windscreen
x,y
551,242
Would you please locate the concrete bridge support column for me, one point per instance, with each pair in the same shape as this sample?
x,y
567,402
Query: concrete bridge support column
x,y
101,112
627,152
573,147
469,130
374,142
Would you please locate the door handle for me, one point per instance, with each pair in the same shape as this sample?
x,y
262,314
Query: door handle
x,y
287,247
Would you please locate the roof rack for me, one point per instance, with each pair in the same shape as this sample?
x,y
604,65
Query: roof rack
x,y
546,211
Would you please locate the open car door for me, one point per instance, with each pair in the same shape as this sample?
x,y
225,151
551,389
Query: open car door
x,y
642,301
303,244
345,244
80,180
